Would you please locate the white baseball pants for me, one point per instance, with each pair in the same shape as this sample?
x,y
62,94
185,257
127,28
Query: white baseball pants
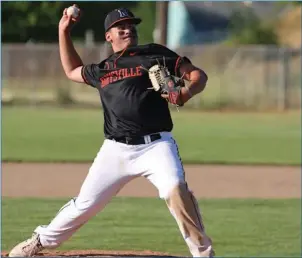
x,y
114,166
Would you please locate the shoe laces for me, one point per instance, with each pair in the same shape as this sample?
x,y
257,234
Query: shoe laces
x,y
33,245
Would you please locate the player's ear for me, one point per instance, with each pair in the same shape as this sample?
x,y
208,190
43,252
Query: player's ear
x,y
108,36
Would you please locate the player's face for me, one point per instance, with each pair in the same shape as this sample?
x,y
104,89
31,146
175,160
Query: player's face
x,y
122,36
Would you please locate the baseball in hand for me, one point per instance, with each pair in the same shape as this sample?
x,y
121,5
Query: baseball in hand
x,y
72,11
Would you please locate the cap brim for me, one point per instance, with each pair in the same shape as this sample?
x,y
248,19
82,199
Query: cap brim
x,y
133,20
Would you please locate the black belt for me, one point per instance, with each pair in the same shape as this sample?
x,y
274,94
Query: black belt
x,y
137,140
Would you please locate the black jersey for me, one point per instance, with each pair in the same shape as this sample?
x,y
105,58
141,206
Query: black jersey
x,y
130,108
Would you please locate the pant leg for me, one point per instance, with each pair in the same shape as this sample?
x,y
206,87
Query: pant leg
x,y
105,178
165,171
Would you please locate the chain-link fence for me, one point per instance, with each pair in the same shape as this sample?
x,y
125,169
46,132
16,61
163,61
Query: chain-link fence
x,y
256,78
33,75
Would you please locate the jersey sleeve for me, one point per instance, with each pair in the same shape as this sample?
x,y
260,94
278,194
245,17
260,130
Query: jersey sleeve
x,y
173,60
177,64
90,74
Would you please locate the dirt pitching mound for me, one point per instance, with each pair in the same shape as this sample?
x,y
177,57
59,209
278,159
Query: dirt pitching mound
x,y
98,253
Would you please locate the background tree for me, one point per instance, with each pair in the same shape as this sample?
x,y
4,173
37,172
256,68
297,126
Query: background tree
x,y
38,21
246,28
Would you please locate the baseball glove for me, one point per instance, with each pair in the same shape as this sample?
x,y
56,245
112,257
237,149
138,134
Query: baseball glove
x,y
163,82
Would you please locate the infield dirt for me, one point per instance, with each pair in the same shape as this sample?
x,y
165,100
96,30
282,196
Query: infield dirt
x,y
206,181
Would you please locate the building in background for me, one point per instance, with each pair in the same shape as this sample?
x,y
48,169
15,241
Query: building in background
x,y
206,22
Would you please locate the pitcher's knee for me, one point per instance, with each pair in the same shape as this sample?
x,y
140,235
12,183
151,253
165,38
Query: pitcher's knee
x,y
169,189
179,190
75,208
84,208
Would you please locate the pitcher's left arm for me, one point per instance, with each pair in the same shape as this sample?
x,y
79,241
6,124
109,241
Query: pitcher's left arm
x,y
197,80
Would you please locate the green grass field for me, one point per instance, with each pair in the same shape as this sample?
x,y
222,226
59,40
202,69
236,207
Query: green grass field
x,y
54,134
238,227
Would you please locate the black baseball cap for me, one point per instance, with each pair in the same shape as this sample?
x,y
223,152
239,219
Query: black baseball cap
x,y
118,15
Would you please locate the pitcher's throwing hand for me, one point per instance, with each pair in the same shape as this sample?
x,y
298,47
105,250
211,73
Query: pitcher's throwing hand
x,y
69,19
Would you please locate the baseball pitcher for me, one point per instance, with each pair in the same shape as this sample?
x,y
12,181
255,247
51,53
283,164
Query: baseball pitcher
x,y
136,84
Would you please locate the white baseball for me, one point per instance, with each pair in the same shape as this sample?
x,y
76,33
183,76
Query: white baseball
x,y
72,11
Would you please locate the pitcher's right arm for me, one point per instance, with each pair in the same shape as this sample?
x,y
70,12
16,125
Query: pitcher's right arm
x,y
71,61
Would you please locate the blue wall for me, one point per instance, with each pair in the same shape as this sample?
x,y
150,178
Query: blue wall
x,y
180,30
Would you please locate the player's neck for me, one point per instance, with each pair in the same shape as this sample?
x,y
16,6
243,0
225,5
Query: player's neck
x,y
117,49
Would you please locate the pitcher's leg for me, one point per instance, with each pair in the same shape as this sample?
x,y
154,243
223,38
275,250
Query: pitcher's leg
x,y
184,208
105,178
167,174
